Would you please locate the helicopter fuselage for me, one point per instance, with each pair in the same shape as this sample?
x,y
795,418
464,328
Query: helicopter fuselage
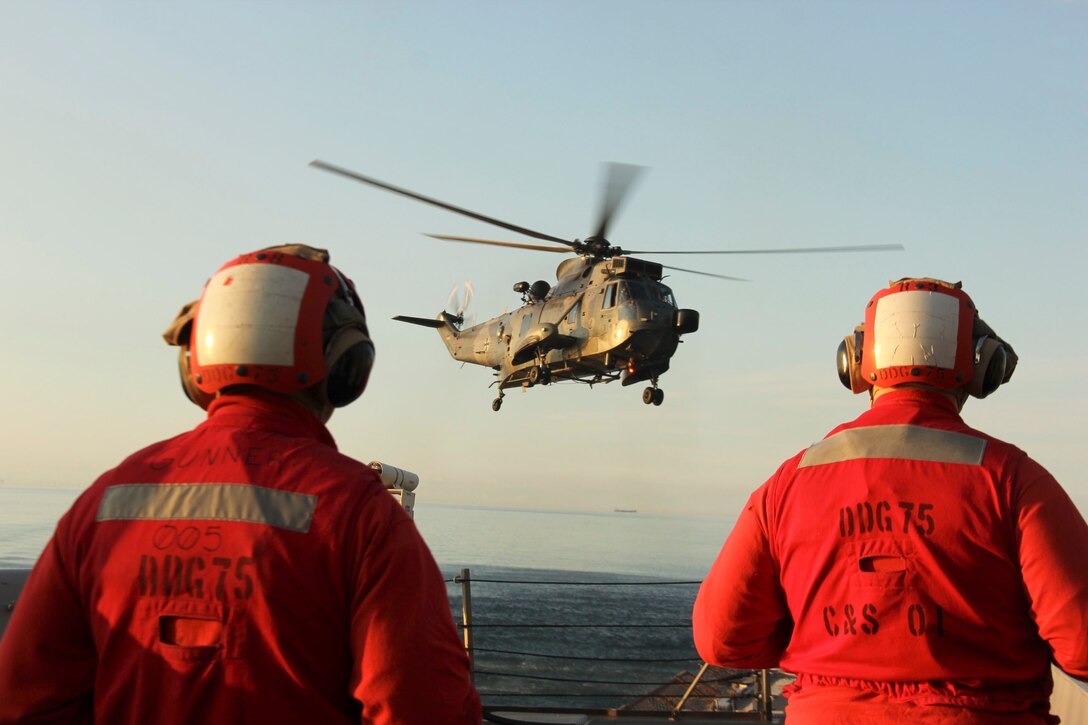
x,y
603,320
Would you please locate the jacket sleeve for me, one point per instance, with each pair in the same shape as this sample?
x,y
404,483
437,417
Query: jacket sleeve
x,y
740,617
1052,539
47,654
410,667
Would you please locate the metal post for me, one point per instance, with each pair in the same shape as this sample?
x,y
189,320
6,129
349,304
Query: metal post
x,y
765,696
680,705
466,619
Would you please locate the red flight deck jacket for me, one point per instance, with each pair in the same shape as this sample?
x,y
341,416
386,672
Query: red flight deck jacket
x,y
904,560
242,572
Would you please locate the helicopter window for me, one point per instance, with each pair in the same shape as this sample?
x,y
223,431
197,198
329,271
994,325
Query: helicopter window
x,y
634,291
526,321
627,309
574,314
655,292
610,296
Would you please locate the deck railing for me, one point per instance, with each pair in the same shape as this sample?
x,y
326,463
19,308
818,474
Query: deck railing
x,y
639,675
526,655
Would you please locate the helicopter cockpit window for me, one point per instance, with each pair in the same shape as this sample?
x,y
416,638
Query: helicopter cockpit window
x,y
636,291
651,291
610,296
627,310
624,293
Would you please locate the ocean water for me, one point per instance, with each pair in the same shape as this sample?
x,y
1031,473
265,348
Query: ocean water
x,y
648,545
568,608
574,609
27,519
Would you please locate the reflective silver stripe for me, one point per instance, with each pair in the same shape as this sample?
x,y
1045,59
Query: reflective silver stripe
x,y
208,501
907,442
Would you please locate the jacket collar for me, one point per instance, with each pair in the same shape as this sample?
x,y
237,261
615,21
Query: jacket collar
x,y
268,411
917,396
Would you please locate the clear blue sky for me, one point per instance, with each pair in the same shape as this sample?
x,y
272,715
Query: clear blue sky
x,y
144,144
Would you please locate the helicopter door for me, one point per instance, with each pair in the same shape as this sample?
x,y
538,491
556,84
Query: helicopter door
x,y
610,294
526,322
608,303
601,310
604,318
572,323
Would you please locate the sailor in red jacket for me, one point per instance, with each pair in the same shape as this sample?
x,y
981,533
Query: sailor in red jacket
x,y
907,567
245,571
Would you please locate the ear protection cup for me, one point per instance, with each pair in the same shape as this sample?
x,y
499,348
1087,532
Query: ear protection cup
x,y
192,392
995,361
991,367
849,362
349,356
179,333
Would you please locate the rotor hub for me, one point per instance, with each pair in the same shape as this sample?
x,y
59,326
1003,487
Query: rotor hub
x,y
597,247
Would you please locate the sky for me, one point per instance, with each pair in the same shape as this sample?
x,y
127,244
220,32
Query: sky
x,y
143,145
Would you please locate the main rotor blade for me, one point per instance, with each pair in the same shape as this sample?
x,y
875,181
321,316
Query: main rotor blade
x,y
493,242
790,250
707,274
435,202
618,181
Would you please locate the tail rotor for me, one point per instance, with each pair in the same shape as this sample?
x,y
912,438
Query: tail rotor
x,y
458,302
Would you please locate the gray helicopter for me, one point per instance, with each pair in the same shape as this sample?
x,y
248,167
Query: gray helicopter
x,y
608,316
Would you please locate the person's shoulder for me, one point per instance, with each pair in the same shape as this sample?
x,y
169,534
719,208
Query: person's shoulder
x,y
353,493
330,472
343,464
1012,464
807,455
140,458
995,446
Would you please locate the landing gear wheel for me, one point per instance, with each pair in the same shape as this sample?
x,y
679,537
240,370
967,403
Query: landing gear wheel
x,y
658,396
496,404
648,396
539,375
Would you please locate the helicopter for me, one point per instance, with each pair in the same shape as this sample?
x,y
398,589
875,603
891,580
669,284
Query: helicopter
x,y
609,316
